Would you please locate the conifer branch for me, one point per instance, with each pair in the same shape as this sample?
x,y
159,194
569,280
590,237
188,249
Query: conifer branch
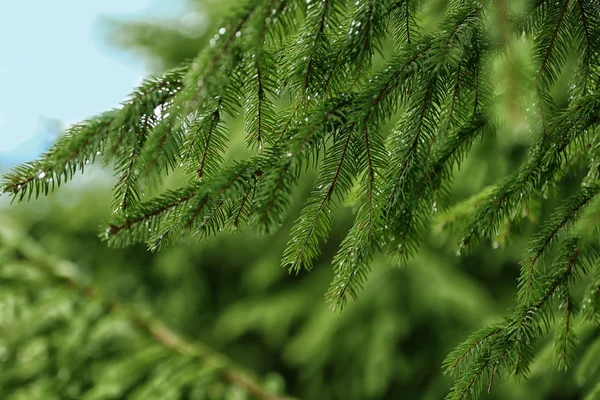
x,y
474,378
242,208
475,341
315,222
565,338
325,6
164,145
523,326
284,170
366,40
542,70
404,21
214,61
364,231
561,218
214,120
561,279
76,148
541,169
143,217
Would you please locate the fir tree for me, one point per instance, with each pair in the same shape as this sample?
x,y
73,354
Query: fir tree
x,y
318,88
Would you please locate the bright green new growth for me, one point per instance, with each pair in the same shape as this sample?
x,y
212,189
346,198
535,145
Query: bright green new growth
x,y
316,89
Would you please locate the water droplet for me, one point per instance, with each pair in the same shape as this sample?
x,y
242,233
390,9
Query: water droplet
x,y
42,175
222,31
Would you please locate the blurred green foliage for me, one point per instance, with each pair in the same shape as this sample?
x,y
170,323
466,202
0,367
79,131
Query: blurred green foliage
x,y
230,292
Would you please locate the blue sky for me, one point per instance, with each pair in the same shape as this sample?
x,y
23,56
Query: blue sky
x,y
54,65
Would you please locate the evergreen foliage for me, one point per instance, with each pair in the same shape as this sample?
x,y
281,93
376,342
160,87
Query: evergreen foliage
x,y
318,90
112,351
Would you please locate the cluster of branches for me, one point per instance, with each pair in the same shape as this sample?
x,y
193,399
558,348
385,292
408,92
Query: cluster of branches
x,y
62,338
302,74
